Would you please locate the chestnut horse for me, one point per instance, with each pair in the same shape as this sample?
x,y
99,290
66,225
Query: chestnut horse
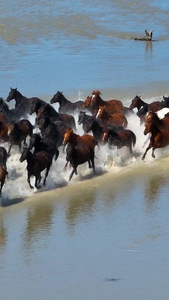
x,y
80,149
113,106
162,124
159,138
117,119
65,105
36,163
75,139
120,139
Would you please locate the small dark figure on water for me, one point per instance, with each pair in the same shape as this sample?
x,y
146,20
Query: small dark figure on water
x,y
147,37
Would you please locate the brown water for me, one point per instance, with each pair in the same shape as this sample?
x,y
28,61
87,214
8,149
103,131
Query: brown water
x,y
96,237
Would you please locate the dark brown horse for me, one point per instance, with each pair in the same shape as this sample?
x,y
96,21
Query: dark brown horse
x,y
117,119
138,103
122,138
3,156
65,105
50,112
36,163
113,106
17,133
78,155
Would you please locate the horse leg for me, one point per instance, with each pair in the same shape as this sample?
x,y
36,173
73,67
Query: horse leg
x,y
9,150
71,175
149,147
90,164
153,149
92,161
37,180
47,171
56,154
29,176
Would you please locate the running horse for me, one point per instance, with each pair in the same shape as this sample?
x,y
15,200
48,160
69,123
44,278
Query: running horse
x,y
120,139
50,112
18,132
65,105
22,103
143,108
117,119
159,138
162,124
94,101
80,149
36,163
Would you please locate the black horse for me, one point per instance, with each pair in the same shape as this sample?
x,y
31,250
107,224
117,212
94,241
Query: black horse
x,y
12,114
85,120
49,111
98,130
66,106
43,144
22,103
53,130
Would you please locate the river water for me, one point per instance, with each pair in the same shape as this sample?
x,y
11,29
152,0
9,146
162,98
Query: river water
x,y
96,237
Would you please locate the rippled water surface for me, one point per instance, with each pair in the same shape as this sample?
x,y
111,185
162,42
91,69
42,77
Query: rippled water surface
x,y
97,237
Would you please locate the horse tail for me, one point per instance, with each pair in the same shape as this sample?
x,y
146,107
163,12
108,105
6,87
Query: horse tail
x,y
133,138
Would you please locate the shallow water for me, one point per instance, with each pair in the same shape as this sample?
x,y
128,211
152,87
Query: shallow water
x,y
96,237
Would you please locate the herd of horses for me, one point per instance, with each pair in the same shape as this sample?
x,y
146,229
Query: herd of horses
x,y
102,121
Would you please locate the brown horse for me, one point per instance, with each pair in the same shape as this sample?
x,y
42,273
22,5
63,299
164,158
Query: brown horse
x,y
77,155
117,119
138,103
122,138
75,139
113,106
65,105
18,132
162,124
36,163
3,118
159,138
